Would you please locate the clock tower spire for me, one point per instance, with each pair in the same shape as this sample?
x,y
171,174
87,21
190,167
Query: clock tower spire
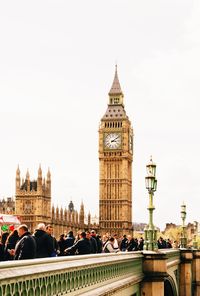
x,y
115,165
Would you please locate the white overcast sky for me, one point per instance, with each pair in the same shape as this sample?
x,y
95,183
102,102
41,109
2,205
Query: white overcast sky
x,y
57,63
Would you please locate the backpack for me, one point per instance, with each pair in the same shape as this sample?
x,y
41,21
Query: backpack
x,y
105,249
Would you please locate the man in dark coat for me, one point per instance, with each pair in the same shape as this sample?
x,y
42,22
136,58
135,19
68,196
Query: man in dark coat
x,y
49,231
93,243
44,242
98,241
132,244
161,243
69,240
123,245
81,247
26,246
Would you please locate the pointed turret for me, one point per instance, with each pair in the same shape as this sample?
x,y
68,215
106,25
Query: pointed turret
x,y
39,179
44,184
61,213
48,175
76,217
18,171
115,88
57,213
49,182
27,175
40,172
89,220
53,212
71,206
115,93
81,215
65,214
27,180
17,183
115,108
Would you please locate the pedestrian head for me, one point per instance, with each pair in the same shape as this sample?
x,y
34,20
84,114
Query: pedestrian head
x,y
93,233
111,239
83,234
49,229
70,233
22,229
62,236
41,226
88,234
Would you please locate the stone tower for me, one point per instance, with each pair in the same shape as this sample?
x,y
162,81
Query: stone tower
x,y
81,215
115,161
33,199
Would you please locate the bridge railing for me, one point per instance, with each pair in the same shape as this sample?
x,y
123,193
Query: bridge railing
x,y
102,273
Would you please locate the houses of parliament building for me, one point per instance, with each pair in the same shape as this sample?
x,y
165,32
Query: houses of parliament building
x,y
32,203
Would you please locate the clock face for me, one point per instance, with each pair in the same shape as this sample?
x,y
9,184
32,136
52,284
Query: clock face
x,y
112,140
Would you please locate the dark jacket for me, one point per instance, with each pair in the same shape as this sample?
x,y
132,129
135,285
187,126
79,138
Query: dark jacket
x,y
44,244
10,244
69,241
123,245
81,247
25,247
99,243
61,245
132,245
93,245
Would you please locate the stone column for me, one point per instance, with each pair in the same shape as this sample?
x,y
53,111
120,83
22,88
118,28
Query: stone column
x,y
196,272
155,270
186,273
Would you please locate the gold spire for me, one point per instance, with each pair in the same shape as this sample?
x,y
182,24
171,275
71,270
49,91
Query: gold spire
x,y
115,93
48,175
115,88
40,172
27,175
18,171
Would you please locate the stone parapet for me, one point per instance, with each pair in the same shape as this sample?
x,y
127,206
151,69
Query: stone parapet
x,y
186,257
73,274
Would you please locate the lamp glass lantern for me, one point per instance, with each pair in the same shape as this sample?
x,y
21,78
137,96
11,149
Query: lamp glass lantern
x,y
151,168
150,182
155,185
183,211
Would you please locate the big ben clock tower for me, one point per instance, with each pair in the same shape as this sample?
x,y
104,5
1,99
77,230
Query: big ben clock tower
x,y
115,161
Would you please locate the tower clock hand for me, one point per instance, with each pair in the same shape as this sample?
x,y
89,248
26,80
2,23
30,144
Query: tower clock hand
x,y
114,140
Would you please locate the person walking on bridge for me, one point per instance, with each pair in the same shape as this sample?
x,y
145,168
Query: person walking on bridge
x,y
44,242
26,246
81,247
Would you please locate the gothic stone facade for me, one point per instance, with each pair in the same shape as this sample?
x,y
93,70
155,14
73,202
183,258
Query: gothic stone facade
x,y
33,206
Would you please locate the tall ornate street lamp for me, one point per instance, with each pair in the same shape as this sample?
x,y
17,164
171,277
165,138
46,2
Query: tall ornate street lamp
x,y
150,241
183,243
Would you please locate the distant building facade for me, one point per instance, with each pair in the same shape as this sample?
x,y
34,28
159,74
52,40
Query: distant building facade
x,y
115,165
7,206
32,204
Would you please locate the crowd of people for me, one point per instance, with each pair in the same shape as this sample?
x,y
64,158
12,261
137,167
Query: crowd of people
x,y
21,244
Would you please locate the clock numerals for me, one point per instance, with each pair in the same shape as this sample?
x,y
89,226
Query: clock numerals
x,y
112,141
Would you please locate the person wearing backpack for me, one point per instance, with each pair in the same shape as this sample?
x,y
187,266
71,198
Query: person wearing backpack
x,y
109,246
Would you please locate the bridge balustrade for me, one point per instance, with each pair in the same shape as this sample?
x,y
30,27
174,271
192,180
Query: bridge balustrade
x,y
100,274
163,273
